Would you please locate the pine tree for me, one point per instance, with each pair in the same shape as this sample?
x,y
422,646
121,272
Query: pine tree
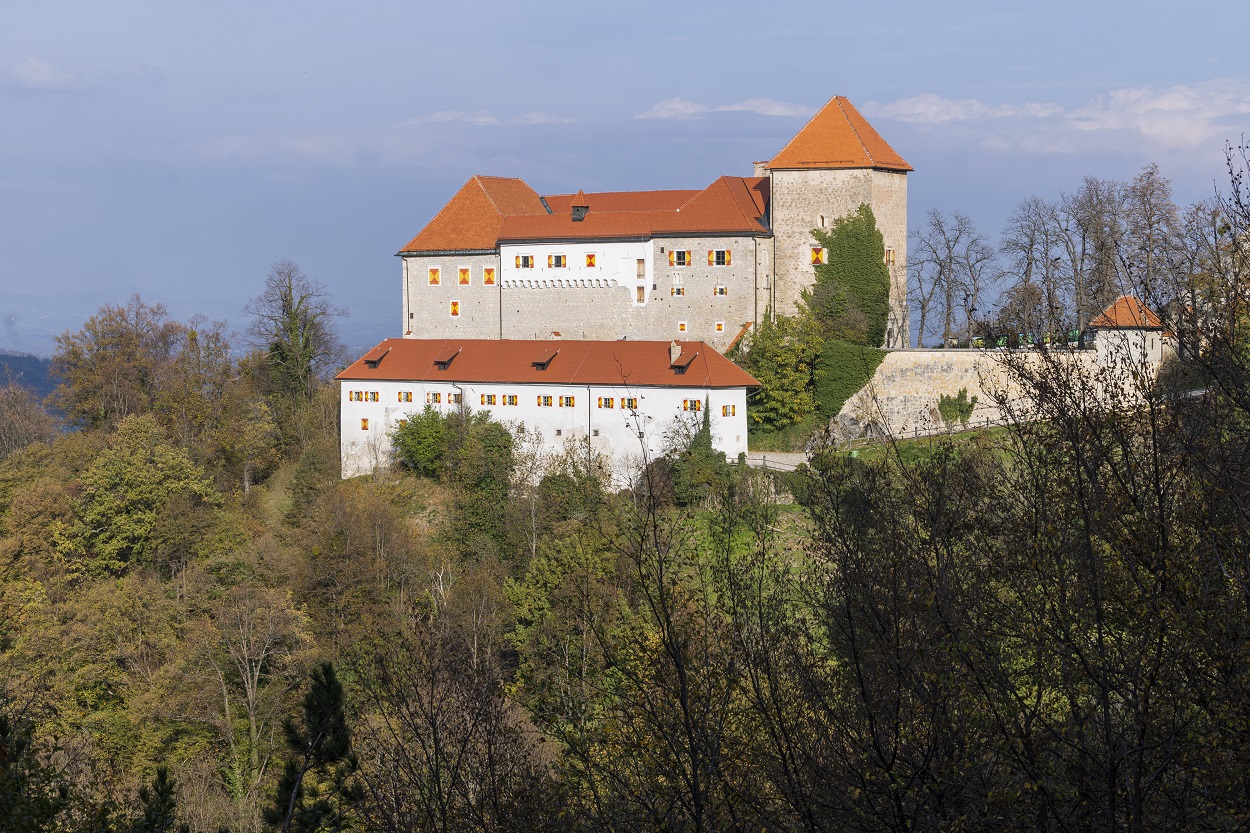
x,y
320,747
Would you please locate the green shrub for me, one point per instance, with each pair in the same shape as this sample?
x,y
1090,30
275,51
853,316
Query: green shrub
x,y
781,355
954,408
422,442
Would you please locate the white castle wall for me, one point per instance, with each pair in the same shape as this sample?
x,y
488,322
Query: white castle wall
x,y
621,434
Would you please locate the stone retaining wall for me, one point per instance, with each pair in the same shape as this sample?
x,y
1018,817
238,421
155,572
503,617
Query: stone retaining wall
x,y
902,397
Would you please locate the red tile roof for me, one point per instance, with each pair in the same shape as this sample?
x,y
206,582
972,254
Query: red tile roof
x,y
471,219
838,137
489,210
622,200
1127,313
484,361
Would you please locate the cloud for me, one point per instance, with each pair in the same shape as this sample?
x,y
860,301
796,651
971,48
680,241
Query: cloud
x,y
38,76
1181,117
682,108
929,108
485,117
399,142
674,108
1175,117
767,107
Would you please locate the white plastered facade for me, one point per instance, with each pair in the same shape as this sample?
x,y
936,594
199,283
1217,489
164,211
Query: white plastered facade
x,y
640,423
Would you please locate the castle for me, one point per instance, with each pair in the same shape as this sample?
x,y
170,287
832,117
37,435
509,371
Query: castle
x,y
501,261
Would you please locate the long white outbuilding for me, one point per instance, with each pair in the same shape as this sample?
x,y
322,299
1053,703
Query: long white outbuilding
x,y
622,401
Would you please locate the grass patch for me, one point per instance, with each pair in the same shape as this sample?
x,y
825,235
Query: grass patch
x,y
917,450
791,438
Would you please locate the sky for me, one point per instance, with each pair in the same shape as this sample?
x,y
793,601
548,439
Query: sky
x,y
179,149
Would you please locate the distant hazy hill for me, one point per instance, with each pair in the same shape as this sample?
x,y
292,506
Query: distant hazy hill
x,y
29,370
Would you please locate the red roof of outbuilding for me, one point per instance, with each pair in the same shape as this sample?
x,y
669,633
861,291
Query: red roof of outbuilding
x,y
1127,313
484,361
838,137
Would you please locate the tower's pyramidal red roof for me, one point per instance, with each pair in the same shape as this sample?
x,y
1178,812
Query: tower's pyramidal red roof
x,y
838,137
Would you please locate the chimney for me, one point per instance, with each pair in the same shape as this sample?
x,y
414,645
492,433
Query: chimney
x,y
580,208
761,168
674,350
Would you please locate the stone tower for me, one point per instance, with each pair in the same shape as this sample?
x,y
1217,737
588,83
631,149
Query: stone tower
x,y
836,163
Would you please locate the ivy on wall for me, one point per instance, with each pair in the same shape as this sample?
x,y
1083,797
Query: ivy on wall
x,y
851,295
842,369
819,359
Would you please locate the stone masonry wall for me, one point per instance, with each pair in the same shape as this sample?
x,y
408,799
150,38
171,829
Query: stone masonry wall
x,y
808,199
579,306
428,308
902,397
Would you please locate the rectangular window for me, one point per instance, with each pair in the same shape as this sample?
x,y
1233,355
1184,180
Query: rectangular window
x,y
681,326
679,258
729,410
455,398
463,275
607,402
590,260
488,399
640,294
455,309
677,290
544,401
718,257
433,398
372,396
355,396
559,432
525,261
692,404
509,399
557,261
364,424
820,255
720,326
566,402
720,290
889,256
630,402
488,276
405,396
434,276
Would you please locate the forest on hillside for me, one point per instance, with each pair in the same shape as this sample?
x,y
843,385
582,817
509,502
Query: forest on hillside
x,y
203,628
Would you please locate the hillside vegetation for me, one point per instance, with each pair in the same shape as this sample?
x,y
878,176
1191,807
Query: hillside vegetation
x,y
201,624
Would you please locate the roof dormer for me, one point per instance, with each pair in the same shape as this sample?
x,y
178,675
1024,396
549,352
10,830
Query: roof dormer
x,y
580,207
